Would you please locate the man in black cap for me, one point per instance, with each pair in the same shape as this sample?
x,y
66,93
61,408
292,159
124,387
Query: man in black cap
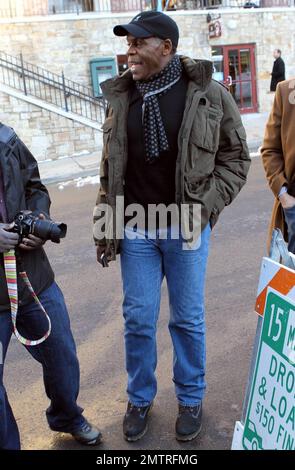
x,y
172,138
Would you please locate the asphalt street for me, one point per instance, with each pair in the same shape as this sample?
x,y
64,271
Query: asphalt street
x,y
94,298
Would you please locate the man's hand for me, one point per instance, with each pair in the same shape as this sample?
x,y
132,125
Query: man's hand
x,y
8,240
287,201
103,255
32,242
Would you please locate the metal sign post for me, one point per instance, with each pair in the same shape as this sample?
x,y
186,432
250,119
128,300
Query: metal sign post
x,y
268,416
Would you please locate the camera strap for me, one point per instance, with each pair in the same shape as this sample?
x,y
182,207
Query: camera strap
x,y
11,279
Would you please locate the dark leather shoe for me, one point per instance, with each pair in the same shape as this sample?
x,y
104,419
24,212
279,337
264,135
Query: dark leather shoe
x,y
135,422
189,422
87,435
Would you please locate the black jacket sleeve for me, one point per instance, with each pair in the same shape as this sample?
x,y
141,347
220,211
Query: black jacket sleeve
x,y
36,194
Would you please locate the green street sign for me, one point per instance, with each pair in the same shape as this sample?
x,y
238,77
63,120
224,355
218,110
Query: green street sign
x,y
270,421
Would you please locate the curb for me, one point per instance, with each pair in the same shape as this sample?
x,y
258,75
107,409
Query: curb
x,y
69,176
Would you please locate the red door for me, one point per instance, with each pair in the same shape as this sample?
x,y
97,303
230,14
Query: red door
x,y
240,75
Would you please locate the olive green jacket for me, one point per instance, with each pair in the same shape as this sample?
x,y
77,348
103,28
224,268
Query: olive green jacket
x,y
213,158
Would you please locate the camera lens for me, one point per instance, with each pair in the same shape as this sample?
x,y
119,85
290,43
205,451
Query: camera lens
x,y
49,230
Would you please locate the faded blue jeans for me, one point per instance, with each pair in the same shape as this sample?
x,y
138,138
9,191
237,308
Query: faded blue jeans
x,y
59,361
144,263
290,221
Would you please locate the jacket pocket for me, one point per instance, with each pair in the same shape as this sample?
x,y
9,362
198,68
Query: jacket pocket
x,y
206,129
106,173
241,134
107,129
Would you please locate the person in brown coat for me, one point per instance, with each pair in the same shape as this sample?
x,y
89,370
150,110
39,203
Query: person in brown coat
x,y
279,160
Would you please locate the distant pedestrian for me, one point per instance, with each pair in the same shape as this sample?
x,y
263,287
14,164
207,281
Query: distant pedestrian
x,y
278,70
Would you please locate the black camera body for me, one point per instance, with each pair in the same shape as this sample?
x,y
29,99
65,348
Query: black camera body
x,y
26,223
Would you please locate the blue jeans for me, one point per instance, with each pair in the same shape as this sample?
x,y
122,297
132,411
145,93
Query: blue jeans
x,y
59,361
144,263
290,221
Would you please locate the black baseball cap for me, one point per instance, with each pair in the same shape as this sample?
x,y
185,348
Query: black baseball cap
x,y
150,23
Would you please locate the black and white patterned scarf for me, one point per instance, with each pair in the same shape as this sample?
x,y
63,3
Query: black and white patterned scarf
x,y
155,138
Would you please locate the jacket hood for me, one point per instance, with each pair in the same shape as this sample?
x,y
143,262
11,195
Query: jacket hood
x,y
198,71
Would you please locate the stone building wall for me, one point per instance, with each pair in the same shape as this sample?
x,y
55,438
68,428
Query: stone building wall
x,y
48,135
69,42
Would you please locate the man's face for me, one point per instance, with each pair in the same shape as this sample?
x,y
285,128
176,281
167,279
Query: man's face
x,y
146,56
276,54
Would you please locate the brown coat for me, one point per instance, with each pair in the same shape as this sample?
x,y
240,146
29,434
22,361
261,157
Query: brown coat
x,y
278,150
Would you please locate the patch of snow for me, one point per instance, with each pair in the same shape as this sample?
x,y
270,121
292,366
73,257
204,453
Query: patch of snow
x,y
255,154
79,182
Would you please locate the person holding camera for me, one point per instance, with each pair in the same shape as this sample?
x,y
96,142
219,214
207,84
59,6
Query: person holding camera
x,y
279,163
28,290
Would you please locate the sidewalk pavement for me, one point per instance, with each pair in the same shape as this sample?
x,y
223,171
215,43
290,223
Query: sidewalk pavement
x,y
80,166
254,125
70,168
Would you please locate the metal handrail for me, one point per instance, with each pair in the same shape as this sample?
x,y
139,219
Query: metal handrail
x,y
50,87
78,7
12,9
